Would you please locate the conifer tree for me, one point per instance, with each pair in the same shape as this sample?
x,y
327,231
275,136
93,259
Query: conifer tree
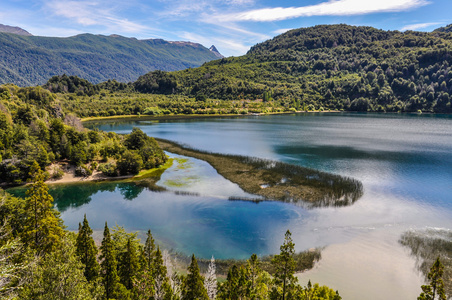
x,y
162,287
128,265
109,273
236,284
58,275
284,264
144,283
436,286
43,229
149,249
194,287
87,250
253,267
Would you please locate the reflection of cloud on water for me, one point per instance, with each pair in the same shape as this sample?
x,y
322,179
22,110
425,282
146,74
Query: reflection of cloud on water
x,y
192,175
428,244
374,212
371,264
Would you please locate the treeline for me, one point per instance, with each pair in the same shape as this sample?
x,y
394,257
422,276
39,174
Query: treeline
x,y
41,260
35,129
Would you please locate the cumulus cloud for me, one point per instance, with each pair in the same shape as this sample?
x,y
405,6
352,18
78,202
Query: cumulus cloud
x,y
419,26
329,8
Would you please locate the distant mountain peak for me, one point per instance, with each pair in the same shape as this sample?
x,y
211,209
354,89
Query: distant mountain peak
x,y
215,51
15,30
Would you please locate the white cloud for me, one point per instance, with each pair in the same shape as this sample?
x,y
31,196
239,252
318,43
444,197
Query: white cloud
x,y
231,28
225,46
419,26
239,2
81,11
89,13
54,31
282,30
329,8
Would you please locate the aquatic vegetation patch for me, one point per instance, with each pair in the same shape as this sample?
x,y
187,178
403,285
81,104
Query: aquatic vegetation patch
x,y
155,172
183,163
426,246
181,181
276,180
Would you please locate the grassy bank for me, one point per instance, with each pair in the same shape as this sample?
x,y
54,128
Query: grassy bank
x,y
276,180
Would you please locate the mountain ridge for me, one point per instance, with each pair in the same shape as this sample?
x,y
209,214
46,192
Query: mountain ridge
x,y
32,60
14,30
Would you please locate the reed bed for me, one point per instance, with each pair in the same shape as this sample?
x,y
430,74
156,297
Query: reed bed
x,y
276,180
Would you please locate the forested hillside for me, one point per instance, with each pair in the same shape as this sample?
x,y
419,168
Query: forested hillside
x,y
35,132
32,60
329,67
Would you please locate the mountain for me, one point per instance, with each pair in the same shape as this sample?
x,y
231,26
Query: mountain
x,y
32,60
338,67
447,28
214,50
15,30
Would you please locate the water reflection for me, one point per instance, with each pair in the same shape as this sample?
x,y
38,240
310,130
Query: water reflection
x,y
75,195
426,246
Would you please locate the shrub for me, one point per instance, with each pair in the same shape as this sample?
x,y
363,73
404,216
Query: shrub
x,y
108,169
57,173
83,171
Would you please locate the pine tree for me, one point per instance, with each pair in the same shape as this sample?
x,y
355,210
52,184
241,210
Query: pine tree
x,y
109,273
162,287
253,266
236,285
210,283
194,287
87,250
284,264
149,249
436,286
128,265
58,275
253,273
43,229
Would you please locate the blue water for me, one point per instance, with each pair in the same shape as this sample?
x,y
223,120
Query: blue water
x,y
404,162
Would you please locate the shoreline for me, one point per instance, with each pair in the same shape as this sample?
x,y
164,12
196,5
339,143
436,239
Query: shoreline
x,y
206,116
97,176
69,176
192,116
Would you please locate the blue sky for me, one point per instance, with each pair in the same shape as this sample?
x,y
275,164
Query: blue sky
x,y
233,26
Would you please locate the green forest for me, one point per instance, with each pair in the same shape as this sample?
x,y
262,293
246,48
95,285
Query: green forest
x,y
334,67
32,60
326,67
35,132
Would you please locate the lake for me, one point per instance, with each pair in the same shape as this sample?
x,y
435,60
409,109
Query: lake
x,y
404,162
